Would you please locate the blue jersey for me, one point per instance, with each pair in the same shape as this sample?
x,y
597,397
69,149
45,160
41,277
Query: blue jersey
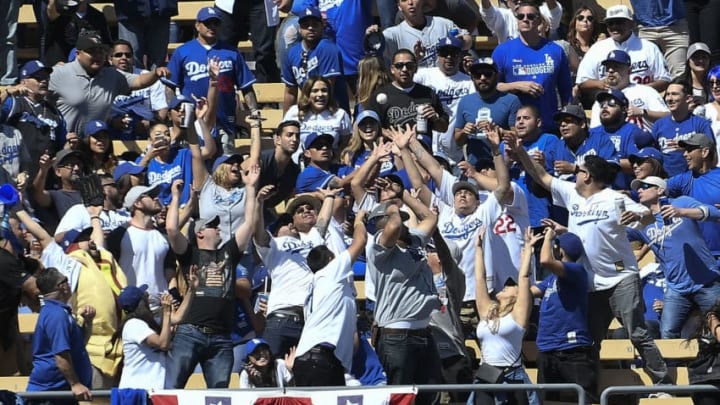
x,y
179,167
503,110
312,178
658,13
681,249
57,332
189,70
666,128
539,199
563,310
346,25
595,144
324,60
545,64
623,139
706,189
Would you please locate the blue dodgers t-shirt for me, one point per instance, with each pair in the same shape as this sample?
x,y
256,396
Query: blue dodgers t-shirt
x,y
188,66
538,198
324,60
313,178
503,108
681,249
623,139
595,144
706,189
666,129
563,310
57,332
545,64
179,167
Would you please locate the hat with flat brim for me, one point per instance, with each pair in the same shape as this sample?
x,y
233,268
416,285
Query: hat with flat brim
x,y
303,199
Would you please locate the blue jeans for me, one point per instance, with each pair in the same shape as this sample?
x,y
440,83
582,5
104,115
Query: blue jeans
x,y
516,375
625,301
410,358
387,10
10,11
677,307
148,36
214,352
282,334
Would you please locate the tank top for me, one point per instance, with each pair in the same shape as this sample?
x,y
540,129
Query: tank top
x,y
503,348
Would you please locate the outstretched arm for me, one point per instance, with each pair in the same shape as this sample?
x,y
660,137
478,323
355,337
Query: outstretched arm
x,y
532,167
244,232
523,306
326,210
427,219
177,240
482,296
262,238
547,258
402,140
357,247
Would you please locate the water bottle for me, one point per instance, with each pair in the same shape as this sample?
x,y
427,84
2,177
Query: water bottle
x,y
619,208
441,288
421,126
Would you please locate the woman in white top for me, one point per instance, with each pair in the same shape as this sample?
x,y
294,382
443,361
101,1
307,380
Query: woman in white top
x,y
263,370
712,109
503,320
145,343
317,111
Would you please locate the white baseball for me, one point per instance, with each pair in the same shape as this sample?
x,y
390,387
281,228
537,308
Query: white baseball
x,y
381,98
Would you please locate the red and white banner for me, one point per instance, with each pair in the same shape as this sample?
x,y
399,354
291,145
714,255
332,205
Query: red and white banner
x,y
396,395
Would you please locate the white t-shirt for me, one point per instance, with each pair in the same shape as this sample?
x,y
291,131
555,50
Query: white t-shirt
x,y
54,256
638,95
648,63
503,24
144,366
608,255
78,218
449,90
712,115
330,310
283,375
142,259
336,124
286,262
504,229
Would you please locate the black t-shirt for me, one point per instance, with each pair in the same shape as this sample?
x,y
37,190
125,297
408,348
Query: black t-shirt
x,y
214,302
284,182
13,273
401,107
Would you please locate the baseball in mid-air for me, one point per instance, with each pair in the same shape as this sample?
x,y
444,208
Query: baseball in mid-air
x,y
381,98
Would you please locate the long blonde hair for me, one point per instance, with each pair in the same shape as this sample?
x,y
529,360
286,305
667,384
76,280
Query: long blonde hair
x,y
372,73
356,144
305,104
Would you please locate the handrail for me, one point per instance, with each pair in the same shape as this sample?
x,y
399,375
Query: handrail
x,y
643,389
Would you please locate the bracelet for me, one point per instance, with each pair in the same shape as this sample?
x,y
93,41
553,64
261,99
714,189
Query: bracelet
x,y
496,153
94,217
329,196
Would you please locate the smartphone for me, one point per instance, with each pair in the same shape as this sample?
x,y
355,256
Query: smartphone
x,y
175,294
538,230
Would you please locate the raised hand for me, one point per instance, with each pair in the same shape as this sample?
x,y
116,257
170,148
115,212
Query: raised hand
x,y
265,193
402,136
251,177
201,108
325,192
467,169
214,67
176,188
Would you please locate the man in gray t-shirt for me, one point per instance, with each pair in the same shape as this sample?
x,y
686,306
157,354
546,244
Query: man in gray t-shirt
x,y
405,292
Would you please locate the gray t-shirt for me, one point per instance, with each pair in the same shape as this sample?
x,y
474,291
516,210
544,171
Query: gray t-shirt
x,y
404,285
84,98
229,205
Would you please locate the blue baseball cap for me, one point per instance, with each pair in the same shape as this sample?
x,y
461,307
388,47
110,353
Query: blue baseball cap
x,y
225,158
74,235
453,42
612,93
207,13
646,153
177,100
314,137
572,245
310,12
618,56
31,68
127,168
131,296
367,114
94,127
253,344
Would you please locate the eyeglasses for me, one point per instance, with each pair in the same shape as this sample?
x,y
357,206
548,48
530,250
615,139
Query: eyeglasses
x,y
64,281
579,170
122,54
568,121
611,102
446,52
530,16
615,21
304,209
581,18
408,65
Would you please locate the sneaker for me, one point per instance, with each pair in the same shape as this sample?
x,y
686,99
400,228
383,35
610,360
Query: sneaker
x,y
660,395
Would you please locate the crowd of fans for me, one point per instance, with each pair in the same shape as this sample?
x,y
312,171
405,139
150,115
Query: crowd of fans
x,y
470,192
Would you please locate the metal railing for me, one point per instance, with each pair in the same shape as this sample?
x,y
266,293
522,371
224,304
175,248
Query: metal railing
x,y
644,389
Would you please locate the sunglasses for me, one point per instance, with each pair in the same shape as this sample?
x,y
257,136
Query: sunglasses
x,y
122,54
64,281
408,65
714,83
481,73
610,103
448,52
530,16
304,209
581,18
579,170
645,186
